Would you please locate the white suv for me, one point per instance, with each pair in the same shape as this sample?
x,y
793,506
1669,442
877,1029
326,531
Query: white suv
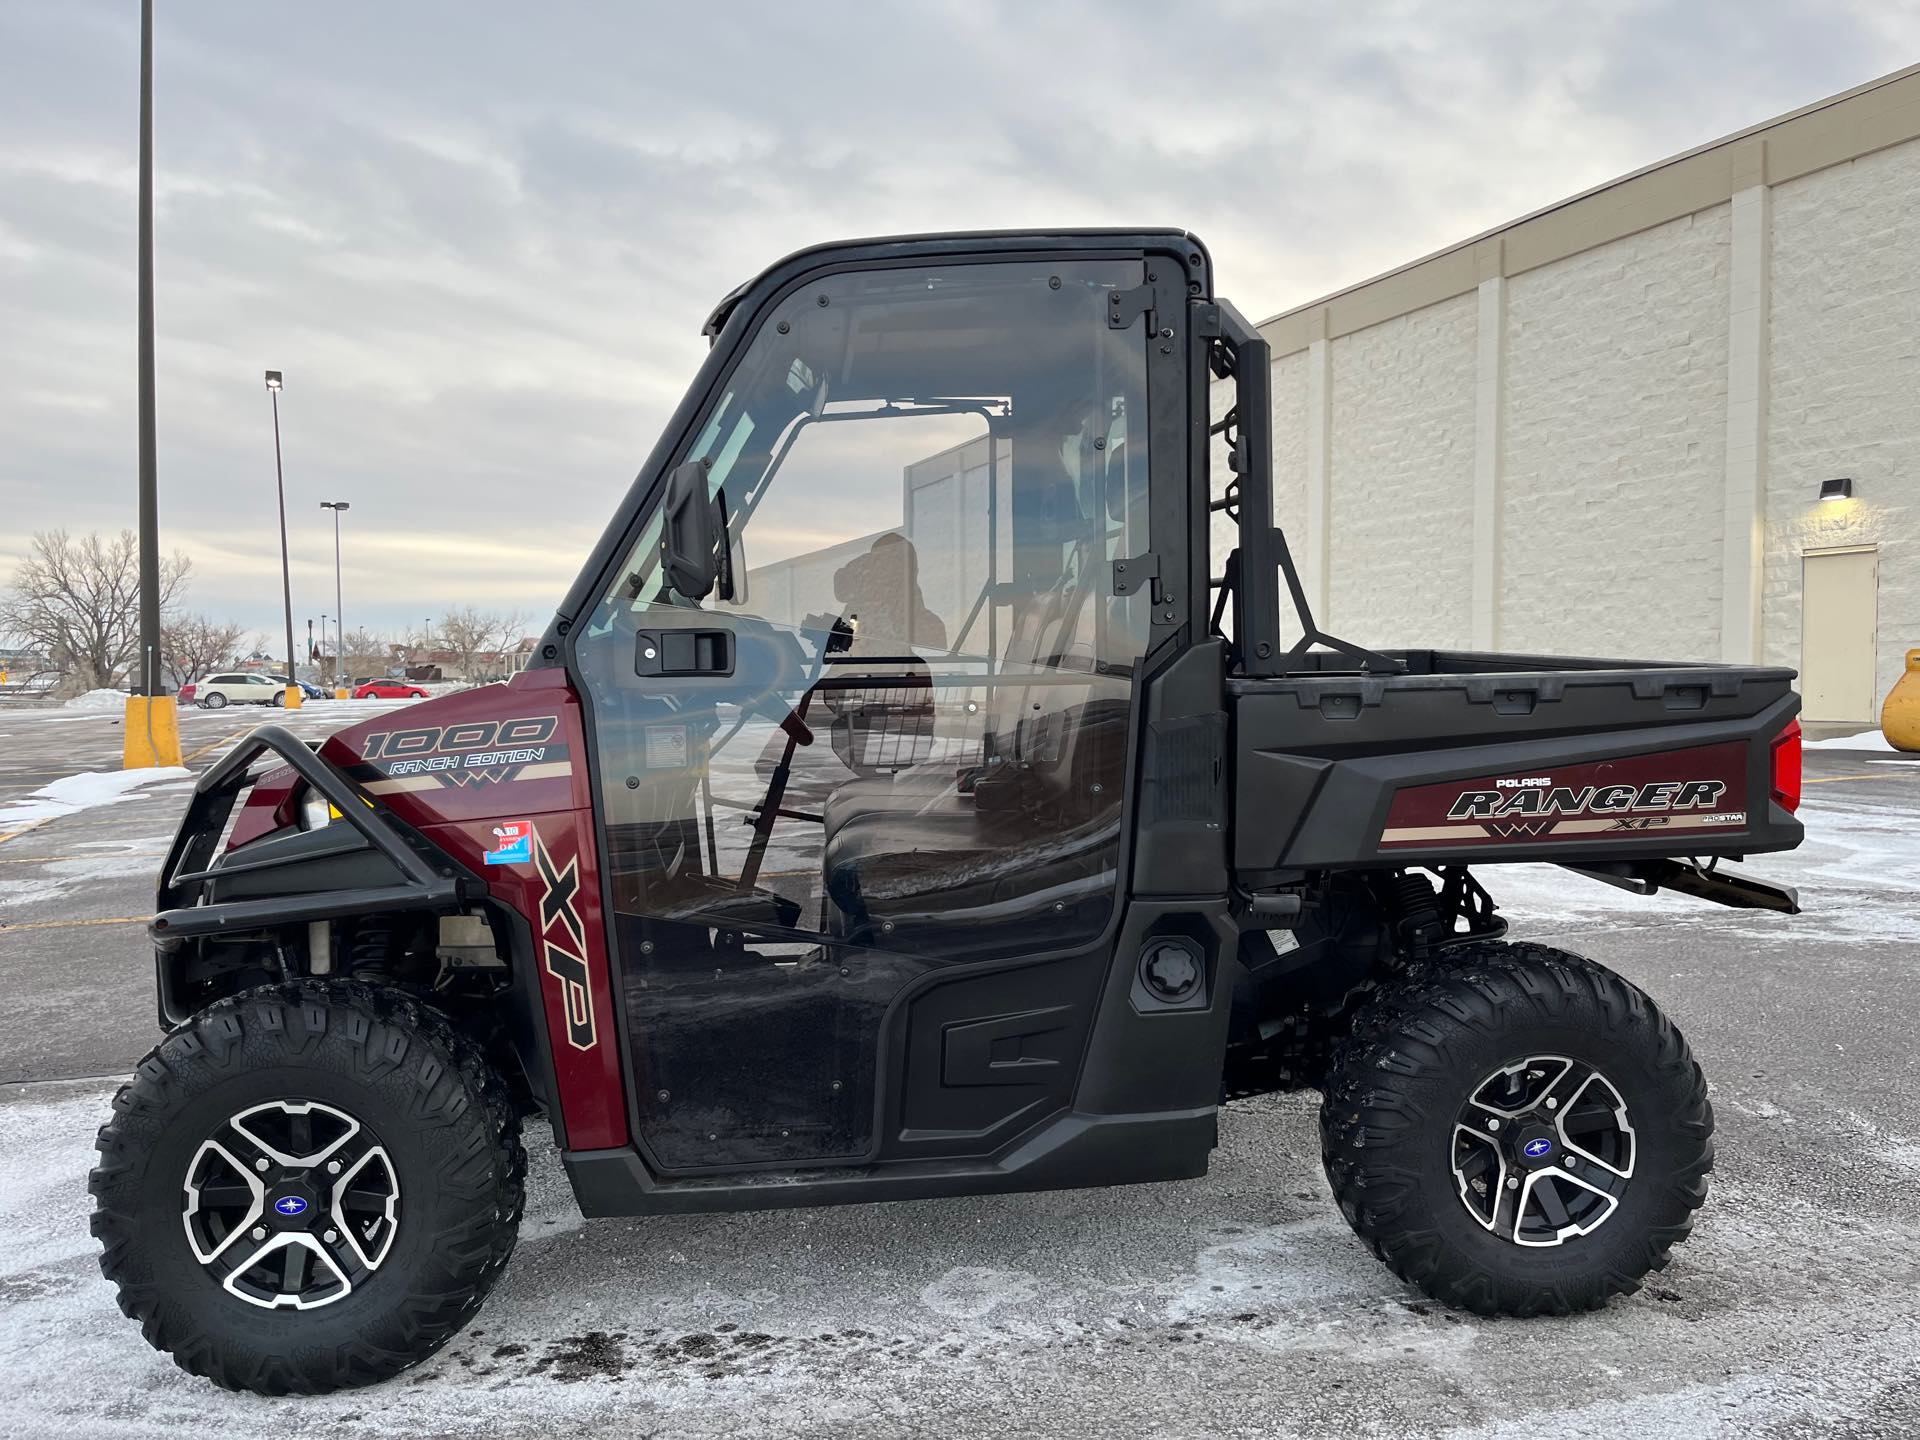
x,y
237,688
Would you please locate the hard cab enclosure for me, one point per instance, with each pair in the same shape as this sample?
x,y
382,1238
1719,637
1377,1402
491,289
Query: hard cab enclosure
x,y
914,795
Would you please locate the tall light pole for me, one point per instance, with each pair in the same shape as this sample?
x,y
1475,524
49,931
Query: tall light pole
x,y
339,625
286,570
151,734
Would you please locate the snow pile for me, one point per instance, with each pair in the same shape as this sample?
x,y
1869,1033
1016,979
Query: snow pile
x,y
114,700
1865,740
73,793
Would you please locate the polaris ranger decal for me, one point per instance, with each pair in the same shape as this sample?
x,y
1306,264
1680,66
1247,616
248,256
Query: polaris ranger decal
x,y
565,962
1679,790
474,752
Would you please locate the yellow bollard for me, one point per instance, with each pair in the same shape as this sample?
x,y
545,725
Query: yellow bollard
x,y
339,692
150,738
294,696
1900,716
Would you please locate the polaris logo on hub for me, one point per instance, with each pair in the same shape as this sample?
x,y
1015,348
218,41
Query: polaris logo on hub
x,y
290,1205
1536,1148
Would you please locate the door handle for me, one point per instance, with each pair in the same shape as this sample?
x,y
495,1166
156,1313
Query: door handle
x,y
683,652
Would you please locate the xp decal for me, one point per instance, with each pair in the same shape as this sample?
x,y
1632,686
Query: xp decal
x,y
566,962
474,752
1697,789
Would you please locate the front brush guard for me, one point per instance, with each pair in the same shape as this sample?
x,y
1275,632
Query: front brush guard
x,y
424,879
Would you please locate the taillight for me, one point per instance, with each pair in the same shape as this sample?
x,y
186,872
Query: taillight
x,y
1786,766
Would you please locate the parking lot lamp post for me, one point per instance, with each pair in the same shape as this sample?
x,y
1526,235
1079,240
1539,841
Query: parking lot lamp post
x,y
286,571
150,733
339,624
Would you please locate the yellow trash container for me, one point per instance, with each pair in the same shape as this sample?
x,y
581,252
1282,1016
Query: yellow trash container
x,y
1900,716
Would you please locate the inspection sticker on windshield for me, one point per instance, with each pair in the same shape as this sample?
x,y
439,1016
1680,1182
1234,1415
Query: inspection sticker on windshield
x,y
512,843
666,747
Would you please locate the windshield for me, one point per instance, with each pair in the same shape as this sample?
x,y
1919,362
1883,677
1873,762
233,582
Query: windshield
x,y
836,422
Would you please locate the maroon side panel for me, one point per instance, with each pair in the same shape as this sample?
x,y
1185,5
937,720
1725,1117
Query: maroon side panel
x,y
497,777
1682,792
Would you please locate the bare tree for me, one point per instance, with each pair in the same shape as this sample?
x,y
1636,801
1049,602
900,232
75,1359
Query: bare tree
x,y
195,645
477,637
77,601
364,653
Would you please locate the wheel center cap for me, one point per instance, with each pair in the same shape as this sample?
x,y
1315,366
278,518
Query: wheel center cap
x,y
293,1207
1536,1145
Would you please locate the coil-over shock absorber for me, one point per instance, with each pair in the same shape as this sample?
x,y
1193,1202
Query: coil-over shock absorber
x,y
1414,907
373,951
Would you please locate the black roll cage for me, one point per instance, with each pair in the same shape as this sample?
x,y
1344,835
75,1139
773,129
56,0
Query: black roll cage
x,y
1237,351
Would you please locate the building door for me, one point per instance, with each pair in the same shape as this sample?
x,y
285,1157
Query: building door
x,y
1839,633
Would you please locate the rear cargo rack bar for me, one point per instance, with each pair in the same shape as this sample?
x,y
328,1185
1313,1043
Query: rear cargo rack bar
x,y
1263,553
424,884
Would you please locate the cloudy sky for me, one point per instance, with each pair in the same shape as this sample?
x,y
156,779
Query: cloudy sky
x,y
480,238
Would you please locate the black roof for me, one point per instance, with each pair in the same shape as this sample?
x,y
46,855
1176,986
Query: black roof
x,y
948,242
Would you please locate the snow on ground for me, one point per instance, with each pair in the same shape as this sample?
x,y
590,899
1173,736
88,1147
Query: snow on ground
x,y
1235,1305
1865,740
73,793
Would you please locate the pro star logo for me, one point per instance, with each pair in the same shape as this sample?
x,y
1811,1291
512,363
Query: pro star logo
x,y
567,965
290,1205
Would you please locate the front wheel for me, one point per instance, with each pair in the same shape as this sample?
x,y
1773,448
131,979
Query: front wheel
x,y
1517,1131
308,1187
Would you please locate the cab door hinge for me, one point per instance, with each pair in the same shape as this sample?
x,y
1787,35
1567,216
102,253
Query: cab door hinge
x,y
1129,574
1126,306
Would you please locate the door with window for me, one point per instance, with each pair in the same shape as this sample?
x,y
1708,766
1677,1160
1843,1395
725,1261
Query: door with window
x,y
882,728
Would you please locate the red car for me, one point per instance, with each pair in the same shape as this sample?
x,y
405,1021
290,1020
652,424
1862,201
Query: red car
x,y
388,690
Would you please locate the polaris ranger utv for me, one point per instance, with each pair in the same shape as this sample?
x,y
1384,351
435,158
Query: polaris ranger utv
x,y
913,798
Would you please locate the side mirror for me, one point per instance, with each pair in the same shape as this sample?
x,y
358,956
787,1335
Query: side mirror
x,y
687,532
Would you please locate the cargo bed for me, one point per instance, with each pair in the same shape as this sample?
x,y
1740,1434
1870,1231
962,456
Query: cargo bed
x,y
1474,756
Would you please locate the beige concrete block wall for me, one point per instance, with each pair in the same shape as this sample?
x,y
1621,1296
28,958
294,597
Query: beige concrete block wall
x,y
1289,388
1401,440
1602,429
1844,376
1614,447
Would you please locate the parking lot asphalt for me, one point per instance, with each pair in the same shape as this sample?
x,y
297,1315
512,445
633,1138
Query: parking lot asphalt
x,y
1238,1304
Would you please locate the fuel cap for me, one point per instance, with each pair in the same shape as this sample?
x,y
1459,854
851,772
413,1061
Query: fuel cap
x,y
1170,968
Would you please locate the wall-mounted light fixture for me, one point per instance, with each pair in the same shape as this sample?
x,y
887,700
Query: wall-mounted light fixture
x,y
1841,489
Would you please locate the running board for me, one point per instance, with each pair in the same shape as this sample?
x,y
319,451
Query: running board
x,y
1720,885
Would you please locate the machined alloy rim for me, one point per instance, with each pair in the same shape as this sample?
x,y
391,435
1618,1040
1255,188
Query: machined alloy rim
x,y
291,1204
1543,1150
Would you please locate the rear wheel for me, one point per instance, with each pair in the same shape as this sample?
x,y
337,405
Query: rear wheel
x,y
1518,1131
308,1187
215,701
